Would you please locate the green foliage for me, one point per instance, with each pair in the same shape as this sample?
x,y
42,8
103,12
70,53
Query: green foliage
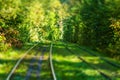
x,y
89,24
95,16
36,20
115,47
97,33
85,22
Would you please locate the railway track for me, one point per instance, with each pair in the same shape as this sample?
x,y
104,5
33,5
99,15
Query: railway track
x,y
33,68
107,69
114,69
107,77
91,53
35,64
18,62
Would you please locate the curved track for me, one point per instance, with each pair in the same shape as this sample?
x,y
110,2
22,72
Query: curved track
x,y
91,53
51,64
33,68
94,67
18,62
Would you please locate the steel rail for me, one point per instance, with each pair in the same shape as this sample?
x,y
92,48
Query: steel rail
x,y
51,63
18,62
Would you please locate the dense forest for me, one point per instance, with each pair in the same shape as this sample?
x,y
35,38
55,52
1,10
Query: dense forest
x,y
91,23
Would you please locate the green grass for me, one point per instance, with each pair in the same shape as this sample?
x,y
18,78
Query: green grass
x,y
8,60
69,67
21,71
104,67
45,72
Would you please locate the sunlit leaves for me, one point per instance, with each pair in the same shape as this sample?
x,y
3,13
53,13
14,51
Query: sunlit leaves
x,y
9,8
115,24
35,14
84,22
116,30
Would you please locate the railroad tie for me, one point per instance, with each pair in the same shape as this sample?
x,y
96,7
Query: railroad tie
x,y
40,63
32,65
30,68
